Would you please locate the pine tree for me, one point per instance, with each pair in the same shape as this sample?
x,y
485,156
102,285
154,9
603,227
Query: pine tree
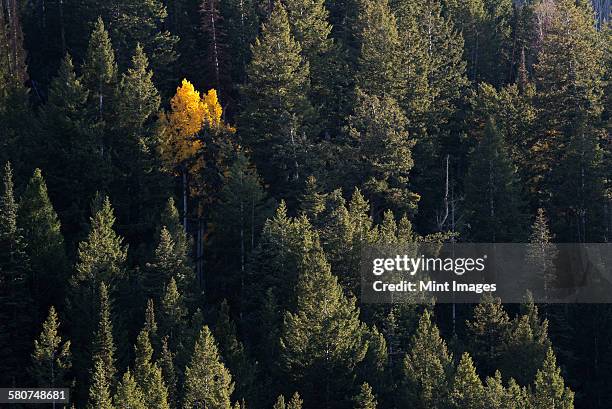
x,y
100,77
168,263
365,399
101,258
569,77
103,347
150,322
312,201
436,80
99,391
234,353
170,219
320,347
215,47
173,315
549,389
207,380
148,375
280,403
68,146
166,363
295,402
15,300
427,366
493,194
466,390
238,218
489,330
486,28
382,151
276,116
311,29
46,250
241,23
51,359
541,253
494,395
144,22
380,65
129,395
136,167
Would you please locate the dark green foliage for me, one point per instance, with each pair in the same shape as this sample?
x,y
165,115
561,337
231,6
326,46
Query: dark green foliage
x,y
129,395
493,193
207,380
365,399
51,359
275,122
41,230
15,296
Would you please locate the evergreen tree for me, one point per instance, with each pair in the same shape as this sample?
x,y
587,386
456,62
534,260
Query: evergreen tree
x,y
569,77
173,315
541,253
365,399
549,388
207,381
170,218
380,65
46,250
99,391
68,146
493,194
166,363
436,80
276,116
100,77
295,402
15,301
466,390
241,23
382,146
238,218
129,395
148,375
234,353
103,347
101,258
168,263
488,330
138,183
427,366
320,347
51,359
144,22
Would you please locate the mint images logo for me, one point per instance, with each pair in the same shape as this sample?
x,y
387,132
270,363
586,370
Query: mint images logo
x,y
461,272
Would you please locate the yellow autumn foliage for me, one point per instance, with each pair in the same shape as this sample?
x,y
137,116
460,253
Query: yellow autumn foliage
x,y
191,116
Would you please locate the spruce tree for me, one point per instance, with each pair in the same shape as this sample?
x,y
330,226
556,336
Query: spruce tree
x,y
207,381
15,299
46,250
466,389
541,253
148,375
166,363
68,146
295,402
100,77
238,218
51,359
129,395
488,330
493,193
427,366
320,347
170,218
549,389
569,77
277,113
103,346
99,391
173,315
380,65
241,23
365,399
382,150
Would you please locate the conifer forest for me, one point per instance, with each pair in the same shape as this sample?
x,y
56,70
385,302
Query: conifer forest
x,y
186,185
